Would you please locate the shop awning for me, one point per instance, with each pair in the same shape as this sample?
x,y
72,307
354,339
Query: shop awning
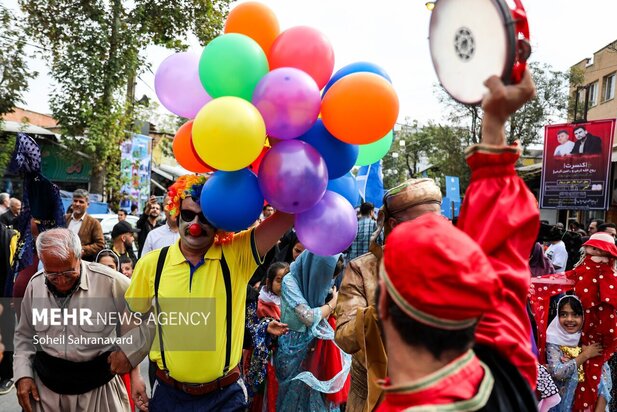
x,y
17,127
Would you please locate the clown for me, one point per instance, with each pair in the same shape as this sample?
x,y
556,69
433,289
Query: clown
x,y
204,265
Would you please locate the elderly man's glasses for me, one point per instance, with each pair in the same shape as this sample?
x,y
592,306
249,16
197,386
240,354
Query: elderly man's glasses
x,y
189,215
56,275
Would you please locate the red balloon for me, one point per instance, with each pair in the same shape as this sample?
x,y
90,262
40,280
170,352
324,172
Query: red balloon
x,y
255,165
185,152
306,49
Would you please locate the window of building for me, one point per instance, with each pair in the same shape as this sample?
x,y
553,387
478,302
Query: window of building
x,y
580,95
593,94
608,87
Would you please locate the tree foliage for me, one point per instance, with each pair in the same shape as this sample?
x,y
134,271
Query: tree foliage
x,y
14,75
14,72
526,125
437,149
95,51
434,150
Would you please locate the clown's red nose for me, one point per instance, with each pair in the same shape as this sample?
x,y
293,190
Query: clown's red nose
x,y
195,229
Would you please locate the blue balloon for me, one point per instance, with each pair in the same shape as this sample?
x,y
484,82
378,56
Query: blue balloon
x,y
355,68
345,186
339,156
232,201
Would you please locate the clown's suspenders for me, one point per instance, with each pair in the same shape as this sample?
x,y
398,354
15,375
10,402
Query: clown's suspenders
x,y
226,278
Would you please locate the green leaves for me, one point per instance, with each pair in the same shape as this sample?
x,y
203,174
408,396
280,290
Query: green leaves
x,y
436,150
14,72
95,49
527,125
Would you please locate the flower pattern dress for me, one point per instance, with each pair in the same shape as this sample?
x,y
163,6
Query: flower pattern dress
x,y
262,344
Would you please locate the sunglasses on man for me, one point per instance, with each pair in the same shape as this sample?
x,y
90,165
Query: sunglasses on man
x,y
189,215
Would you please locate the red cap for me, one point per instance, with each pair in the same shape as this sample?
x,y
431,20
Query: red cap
x,y
438,275
603,241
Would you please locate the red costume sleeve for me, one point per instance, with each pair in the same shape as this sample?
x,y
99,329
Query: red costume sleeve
x,y
501,215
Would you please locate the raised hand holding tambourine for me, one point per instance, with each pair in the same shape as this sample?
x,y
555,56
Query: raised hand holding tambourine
x,y
472,40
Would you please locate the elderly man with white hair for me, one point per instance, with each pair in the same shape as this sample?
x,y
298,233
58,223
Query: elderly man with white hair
x,y
4,202
61,358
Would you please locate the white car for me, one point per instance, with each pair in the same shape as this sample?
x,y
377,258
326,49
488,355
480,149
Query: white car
x,y
109,220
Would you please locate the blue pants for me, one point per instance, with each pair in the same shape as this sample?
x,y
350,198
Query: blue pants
x,y
233,398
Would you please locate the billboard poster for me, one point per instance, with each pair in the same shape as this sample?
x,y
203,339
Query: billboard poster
x,y
576,165
136,165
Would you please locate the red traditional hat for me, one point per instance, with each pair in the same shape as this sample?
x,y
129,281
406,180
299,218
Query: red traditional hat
x,y
603,241
438,275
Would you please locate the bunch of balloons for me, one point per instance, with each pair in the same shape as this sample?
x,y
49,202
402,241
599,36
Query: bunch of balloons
x,y
261,123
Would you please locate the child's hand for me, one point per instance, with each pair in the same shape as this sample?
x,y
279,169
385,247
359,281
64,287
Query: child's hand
x,y
591,351
334,299
276,328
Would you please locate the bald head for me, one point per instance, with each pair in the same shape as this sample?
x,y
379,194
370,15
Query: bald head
x,y
15,206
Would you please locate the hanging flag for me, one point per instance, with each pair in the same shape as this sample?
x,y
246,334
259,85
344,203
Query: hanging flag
x,y
361,179
370,183
453,188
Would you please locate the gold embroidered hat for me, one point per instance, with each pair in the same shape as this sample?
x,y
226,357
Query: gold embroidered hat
x,y
410,193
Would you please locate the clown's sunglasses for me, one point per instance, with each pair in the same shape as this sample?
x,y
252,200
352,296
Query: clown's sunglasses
x,y
189,215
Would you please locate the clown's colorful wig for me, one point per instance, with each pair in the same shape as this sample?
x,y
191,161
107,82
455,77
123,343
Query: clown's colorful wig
x,y
185,186
191,186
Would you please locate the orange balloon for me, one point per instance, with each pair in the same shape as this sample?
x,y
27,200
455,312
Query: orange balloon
x,y
256,21
360,108
185,153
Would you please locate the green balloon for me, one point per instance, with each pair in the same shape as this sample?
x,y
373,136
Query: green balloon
x,y
232,65
372,152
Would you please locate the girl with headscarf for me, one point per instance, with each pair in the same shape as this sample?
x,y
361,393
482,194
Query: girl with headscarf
x,y
305,308
108,258
566,358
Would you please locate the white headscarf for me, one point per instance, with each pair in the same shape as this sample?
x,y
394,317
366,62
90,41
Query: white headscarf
x,y
269,297
557,335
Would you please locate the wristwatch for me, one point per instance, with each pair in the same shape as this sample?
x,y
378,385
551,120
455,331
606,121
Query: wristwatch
x,y
331,308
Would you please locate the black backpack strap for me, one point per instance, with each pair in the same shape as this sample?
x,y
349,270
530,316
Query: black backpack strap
x,y
157,280
227,279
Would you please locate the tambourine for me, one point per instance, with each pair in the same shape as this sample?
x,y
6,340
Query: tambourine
x,y
471,40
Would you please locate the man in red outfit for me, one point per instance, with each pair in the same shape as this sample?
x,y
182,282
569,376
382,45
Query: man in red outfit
x,y
453,311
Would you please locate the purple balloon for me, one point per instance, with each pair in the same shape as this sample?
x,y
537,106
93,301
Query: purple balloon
x,y
289,101
293,176
329,227
178,87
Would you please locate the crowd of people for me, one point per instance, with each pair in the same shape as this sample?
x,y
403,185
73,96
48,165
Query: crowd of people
x,y
418,314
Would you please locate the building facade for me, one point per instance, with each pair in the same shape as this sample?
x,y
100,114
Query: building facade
x,y
596,101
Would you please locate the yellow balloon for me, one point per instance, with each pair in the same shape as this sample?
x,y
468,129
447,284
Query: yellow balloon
x,y
229,133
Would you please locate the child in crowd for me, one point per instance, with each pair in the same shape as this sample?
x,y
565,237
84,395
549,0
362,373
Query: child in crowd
x,y
565,357
108,258
261,376
269,305
126,266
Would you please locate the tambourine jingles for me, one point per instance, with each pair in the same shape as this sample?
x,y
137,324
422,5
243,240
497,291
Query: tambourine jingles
x,y
471,40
